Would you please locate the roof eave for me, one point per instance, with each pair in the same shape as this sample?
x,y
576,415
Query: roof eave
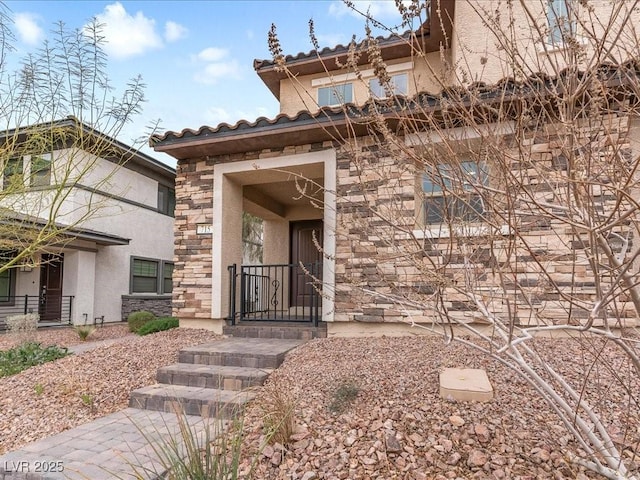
x,y
429,38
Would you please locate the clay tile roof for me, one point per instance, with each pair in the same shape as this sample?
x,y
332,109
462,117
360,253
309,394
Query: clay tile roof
x,y
305,120
337,50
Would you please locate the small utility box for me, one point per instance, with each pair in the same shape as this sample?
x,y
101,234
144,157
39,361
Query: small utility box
x,y
465,385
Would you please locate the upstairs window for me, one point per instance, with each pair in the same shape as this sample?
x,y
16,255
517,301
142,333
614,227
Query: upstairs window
x,y
166,200
7,286
560,21
335,95
451,193
398,84
13,173
41,171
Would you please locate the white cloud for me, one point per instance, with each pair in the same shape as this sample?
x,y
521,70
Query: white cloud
x,y
215,71
217,115
212,64
212,54
127,35
377,9
255,113
28,29
174,31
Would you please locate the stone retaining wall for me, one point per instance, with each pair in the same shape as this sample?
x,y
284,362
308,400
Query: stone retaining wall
x,y
160,306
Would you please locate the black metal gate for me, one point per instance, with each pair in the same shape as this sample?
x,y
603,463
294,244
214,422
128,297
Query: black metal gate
x,y
265,293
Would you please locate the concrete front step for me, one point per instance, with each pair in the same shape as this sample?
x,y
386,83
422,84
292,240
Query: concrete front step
x,y
211,376
280,330
239,352
206,402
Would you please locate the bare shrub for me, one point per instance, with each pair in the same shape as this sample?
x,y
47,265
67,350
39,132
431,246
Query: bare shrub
x,y
23,328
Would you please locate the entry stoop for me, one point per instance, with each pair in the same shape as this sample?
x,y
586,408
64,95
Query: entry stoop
x,y
213,379
281,330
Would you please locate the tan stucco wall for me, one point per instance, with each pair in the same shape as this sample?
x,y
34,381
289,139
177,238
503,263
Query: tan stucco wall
x,y
479,52
299,94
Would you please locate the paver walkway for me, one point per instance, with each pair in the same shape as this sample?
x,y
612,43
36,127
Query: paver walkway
x,y
118,445
109,447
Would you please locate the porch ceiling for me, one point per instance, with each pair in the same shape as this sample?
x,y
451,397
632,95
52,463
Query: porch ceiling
x,y
272,192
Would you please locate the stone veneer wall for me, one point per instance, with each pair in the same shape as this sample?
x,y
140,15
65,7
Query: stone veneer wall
x,y
194,205
160,306
192,252
374,185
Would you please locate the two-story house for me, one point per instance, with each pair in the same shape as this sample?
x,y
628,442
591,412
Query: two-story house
x,y
313,174
108,210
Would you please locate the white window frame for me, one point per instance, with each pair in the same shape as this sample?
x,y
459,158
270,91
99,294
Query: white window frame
x,y
378,91
561,21
333,93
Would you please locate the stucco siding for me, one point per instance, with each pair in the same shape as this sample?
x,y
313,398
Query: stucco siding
x,y
425,74
483,36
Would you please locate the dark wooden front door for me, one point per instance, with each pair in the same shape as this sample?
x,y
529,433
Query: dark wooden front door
x,y
51,287
305,251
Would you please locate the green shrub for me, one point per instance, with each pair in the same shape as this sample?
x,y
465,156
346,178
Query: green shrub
x,y
28,355
158,325
137,319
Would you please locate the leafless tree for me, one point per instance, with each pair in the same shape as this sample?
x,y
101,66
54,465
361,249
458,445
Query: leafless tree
x,y
57,99
502,205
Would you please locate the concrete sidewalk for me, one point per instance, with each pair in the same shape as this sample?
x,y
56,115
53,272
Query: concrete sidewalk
x,y
87,346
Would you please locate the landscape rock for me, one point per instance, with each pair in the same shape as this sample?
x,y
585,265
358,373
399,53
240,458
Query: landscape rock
x,y
456,420
515,436
477,458
393,445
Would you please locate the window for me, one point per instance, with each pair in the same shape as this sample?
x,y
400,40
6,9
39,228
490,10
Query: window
x,y
7,286
166,200
13,173
335,94
451,193
398,85
151,276
167,277
7,279
40,171
559,19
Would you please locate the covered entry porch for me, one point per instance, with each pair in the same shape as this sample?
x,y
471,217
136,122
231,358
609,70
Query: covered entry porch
x,y
286,292
293,196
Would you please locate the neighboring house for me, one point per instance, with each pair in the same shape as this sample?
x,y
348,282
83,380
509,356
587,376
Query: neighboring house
x,y
259,167
113,213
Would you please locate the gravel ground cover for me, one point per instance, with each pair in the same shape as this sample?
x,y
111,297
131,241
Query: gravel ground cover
x,y
56,396
398,428
66,336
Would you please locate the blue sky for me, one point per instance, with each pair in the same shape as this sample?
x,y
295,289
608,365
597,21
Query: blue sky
x,y
196,57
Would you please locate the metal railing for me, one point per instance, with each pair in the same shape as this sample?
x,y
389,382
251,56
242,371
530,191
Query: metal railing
x,y
276,293
50,310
